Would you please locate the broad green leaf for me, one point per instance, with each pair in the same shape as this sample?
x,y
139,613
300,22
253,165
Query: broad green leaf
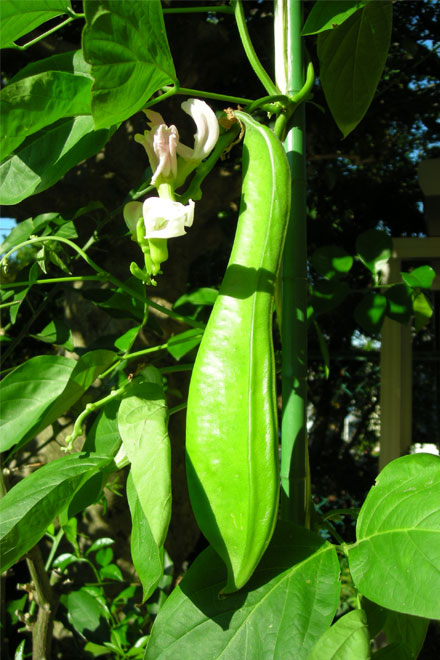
x,y
56,332
376,616
28,392
45,157
143,425
18,17
408,630
103,542
399,303
422,310
66,559
395,561
35,102
282,611
183,343
352,59
331,261
326,15
31,505
347,639
422,277
72,61
126,44
374,248
103,437
203,296
327,295
104,556
87,615
147,557
19,234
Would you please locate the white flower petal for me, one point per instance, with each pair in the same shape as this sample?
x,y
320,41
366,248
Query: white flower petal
x,y
207,128
164,218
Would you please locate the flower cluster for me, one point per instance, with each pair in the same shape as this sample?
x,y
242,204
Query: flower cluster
x,y
160,218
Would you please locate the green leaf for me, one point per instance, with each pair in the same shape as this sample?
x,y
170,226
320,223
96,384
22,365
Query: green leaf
x,y
28,392
376,616
147,557
126,44
65,560
111,572
408,630
326,15
370,312
124,342
22,16
56,332
43,389
282,611
183,343
103,437
422,310
374,248
203,296
35,102
347,639
422,277
104,556
87,615
45,157
31,505
143,425
103,542
331,261
352,59
399,303
394,651
118,303
327,295
397,554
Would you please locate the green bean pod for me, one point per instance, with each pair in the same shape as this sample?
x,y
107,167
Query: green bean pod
x,y
232,430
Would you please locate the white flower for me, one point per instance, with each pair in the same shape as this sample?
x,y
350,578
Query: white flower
x,y
164,218
161,142
207,130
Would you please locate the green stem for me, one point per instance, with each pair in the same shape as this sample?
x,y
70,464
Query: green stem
x,y
295,479
46,34
252,56
186,91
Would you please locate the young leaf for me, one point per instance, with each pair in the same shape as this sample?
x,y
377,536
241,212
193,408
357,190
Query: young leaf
x,y
126,44
45,157
396,557
35,102
326,15
374,248
147,557
422,310
347,639
143,425
287,604
22,16
422,277
31,505
352,58
103,437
